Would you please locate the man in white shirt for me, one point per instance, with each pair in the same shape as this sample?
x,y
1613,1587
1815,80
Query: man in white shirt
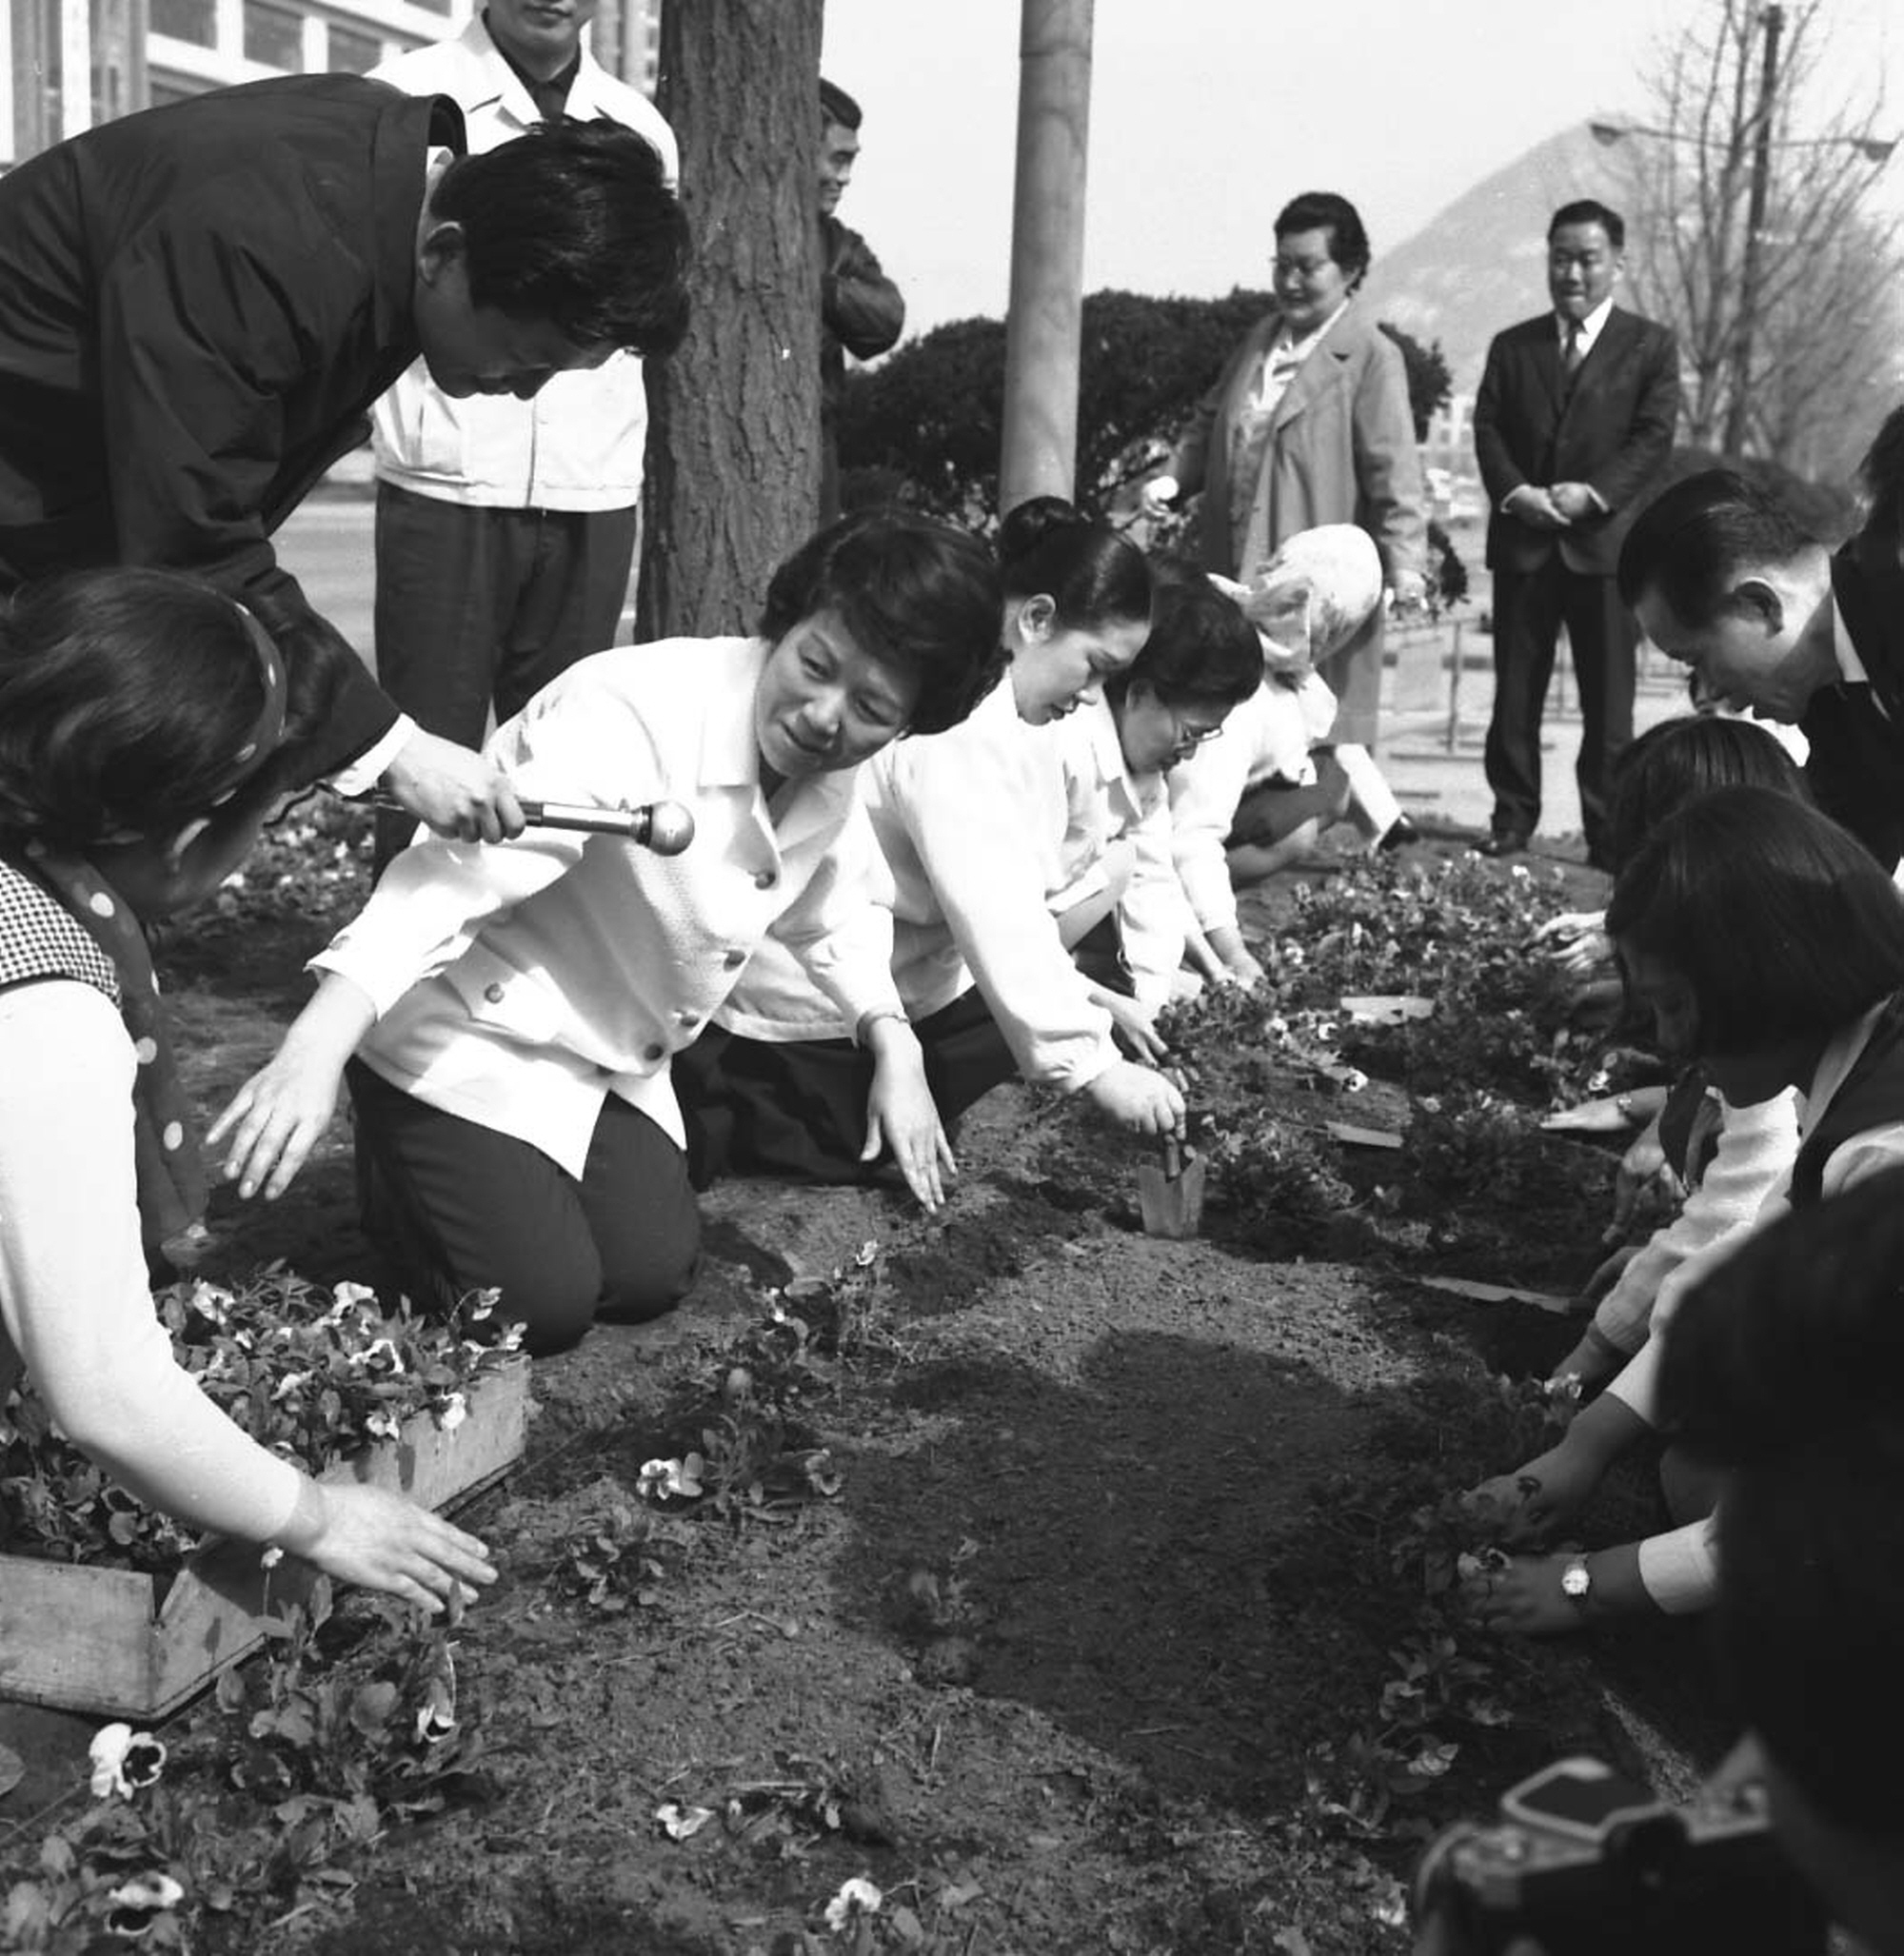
x,y
1574,418
507,528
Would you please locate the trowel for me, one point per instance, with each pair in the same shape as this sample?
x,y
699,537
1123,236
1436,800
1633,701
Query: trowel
x,y
1171,1197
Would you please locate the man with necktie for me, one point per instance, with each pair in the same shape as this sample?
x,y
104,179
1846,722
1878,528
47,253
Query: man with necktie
x,y
1573,419
1726,578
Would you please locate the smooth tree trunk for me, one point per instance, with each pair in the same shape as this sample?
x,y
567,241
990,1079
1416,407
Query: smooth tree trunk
x,y
733,464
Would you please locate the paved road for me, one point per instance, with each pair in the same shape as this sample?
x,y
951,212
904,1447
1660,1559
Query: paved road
x,y
1436,772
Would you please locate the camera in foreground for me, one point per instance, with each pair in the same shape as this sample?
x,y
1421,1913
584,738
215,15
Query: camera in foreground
x,y
1585,1863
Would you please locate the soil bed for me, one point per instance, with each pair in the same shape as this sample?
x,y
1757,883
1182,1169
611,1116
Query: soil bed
x,y
1103,1643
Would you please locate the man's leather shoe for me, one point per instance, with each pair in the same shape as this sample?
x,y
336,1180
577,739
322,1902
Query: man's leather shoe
x,y
1504,842
1399,834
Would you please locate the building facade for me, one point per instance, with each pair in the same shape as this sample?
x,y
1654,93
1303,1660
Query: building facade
x,y
74,63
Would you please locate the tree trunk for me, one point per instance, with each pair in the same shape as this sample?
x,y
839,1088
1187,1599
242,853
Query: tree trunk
x,y
733,470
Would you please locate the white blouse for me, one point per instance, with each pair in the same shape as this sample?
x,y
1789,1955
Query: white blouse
x,y
1268,737
519,984
973,826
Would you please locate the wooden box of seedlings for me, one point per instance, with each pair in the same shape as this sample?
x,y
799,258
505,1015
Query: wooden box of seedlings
x,y
136,1645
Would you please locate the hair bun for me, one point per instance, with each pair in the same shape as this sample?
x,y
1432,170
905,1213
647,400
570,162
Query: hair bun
x,y
1034,520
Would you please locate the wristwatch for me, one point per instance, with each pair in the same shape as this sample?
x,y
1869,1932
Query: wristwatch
x,y
1577,1582
1623,1106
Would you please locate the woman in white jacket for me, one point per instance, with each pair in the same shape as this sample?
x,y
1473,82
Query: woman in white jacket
x,y
1010,844
513,1009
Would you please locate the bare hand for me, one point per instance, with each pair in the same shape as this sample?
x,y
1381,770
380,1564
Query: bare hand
x,y
1158,494
1645,1185
1138,1098
280,1113
1135,1033
1574,501
1408,593
1539,1499
1536,509
1605,1116
1525,1599
903,1116
458,793
385,1542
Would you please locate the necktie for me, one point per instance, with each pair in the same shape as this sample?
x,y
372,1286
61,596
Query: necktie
x,y
1572,356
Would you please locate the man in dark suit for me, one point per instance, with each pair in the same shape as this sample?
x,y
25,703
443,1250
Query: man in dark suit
x,y
198,304
860,309
1724,577
1575,417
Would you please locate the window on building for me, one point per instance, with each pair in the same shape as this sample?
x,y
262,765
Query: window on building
x,y
186,20
164,91
352,52
274,36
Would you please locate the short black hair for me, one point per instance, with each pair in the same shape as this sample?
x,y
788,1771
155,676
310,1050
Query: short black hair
x,y
1673,763
1691,541
919,595
1783,925
1202,650
1590,210
574,222
1092,575
1325,211
837,105
124,695
1882,473
1782,1368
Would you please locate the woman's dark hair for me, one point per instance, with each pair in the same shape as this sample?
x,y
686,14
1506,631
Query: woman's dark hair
x,y
1324,211
1202,650
124,696
1782,924
1691,541
1671,763
837,105
916,594
1882,474
1092,575
1783,1369
573,222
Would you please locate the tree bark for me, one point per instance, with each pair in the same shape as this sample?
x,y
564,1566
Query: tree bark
x,y
733,466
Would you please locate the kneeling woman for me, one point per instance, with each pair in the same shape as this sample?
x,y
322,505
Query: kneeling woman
x,y
1010,844
1771,948
146,727
513,1009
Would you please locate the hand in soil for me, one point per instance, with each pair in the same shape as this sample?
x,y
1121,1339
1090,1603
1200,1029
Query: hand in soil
x,y
1539,1499
381,1541
1138,1098
903,1116
1525,1598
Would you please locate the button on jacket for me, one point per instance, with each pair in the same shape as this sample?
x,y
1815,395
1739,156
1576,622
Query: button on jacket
x,y
519,984
578,444
198,306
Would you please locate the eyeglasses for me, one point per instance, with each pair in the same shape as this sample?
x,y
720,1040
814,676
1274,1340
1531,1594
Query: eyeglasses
x,y
1193,736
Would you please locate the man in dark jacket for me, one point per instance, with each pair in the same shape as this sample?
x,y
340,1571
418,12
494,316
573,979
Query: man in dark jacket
x,y
199,304
861,310
1726,578
1575,417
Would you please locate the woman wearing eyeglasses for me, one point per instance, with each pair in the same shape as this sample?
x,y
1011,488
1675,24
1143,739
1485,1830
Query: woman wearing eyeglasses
x,y
1309,424
1037,918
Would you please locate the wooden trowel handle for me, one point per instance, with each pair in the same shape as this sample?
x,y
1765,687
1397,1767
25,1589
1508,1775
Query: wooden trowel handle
x,y
1173,1158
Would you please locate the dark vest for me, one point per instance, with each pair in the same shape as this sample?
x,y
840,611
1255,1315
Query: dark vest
x,y
1872,1096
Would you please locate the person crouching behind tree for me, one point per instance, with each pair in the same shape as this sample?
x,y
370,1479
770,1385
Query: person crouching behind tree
x,y
1032,842
513,1009
146,727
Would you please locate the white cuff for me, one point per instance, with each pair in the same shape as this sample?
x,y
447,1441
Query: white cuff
x,y
1680,1571
360,775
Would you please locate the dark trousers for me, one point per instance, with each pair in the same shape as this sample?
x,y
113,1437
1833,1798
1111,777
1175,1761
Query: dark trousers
x,y
1529,610
458,1208
481,606
798,1108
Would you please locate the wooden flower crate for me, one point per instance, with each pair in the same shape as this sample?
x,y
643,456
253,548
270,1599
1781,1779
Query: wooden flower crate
x,y
122,1643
